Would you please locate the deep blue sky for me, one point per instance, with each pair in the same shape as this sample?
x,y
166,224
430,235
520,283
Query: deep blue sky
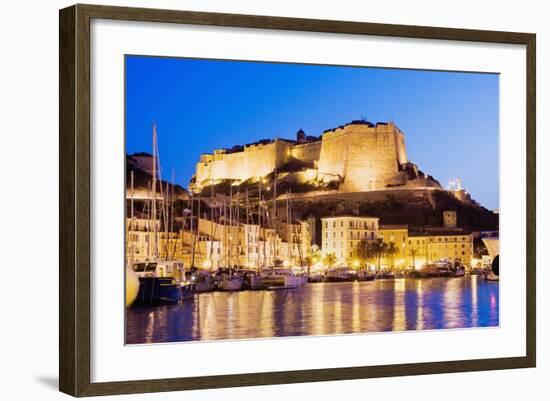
x,y
450,119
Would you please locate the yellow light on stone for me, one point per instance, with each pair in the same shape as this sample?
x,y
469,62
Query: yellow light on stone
x,y
310,175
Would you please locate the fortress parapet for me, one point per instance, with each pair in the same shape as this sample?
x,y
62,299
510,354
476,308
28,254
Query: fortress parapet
x,y
363,156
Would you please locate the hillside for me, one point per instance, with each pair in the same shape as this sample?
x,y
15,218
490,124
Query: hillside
x,y
139,164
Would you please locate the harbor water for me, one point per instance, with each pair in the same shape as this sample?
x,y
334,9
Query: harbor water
x,y
321,309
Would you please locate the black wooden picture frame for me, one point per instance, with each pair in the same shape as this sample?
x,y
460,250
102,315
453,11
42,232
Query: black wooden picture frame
x,y
74,199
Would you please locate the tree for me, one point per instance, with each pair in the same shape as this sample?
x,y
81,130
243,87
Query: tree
x,y
329,259
379,248
363,252
391,251
413,252
308,261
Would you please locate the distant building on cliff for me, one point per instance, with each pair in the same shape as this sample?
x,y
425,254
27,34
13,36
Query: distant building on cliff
x,y
359,156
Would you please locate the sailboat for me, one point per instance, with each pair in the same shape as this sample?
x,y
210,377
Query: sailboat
x,y
131,279
229,279
277,277
160,281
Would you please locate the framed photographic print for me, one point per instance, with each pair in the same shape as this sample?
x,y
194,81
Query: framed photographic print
x,y
250,200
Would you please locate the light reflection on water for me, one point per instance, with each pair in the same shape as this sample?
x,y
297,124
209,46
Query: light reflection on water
x,y
321,309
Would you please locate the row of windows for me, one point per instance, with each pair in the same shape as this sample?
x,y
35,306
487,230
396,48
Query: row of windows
x,y
353,234
439,239
353,224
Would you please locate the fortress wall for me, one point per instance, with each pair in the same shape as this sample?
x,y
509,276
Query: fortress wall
x,y
254,161
334,153
307,152
372,160
400,146
365,156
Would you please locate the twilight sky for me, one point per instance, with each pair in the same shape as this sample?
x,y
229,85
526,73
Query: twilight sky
x,y
450,119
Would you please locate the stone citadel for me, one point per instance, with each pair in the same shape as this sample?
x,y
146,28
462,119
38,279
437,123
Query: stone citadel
x,y
355,157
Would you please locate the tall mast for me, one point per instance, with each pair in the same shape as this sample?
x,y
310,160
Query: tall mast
x,y
149,220
197,225
225,240
131,218
247,232
154,208
192,230
289,227
230,223
211,224
273,220
259,219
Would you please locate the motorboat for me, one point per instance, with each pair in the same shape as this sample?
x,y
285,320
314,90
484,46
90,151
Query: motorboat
x,y
160,282
340,275
282,277
202,281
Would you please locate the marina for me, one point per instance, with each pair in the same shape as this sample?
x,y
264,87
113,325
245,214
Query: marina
x,y
266,241
321,309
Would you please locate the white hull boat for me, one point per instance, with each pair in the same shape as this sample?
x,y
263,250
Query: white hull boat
x,y
231,283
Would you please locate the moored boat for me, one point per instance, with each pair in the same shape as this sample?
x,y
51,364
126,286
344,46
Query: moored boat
x,y
384,275
458,271
231,283
315,278
253,281
202,281
282,277
340,275
159,282
365,276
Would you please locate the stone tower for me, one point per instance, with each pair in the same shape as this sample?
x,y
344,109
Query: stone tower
x,y
449,219
364,155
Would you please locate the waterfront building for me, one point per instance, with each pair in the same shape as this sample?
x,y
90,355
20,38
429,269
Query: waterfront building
x,y
139,243
342,234
431,245
199,250
399,235
295,241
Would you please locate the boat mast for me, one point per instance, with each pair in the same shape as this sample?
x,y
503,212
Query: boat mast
x,y
171,217
260,219
196,237
289,228
154,200
247,232
211,224
192,230
132,221
273,221
149,220
230,223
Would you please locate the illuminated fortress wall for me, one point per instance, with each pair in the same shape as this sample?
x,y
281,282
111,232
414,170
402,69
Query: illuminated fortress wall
x,y
307,152
254,161
364,156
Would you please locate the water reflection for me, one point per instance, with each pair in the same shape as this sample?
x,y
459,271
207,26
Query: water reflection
x,y
320,309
